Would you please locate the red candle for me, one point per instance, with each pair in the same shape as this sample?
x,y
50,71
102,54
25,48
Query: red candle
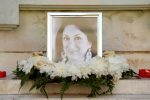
x,y
2,74
145,73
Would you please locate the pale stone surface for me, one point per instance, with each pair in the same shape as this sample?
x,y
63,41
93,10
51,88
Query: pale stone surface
x,y
9,13
117,97
8,61
74,97
7,99
126,30
138,60
30,36
124,90
122,87
9,87
88,2
132,87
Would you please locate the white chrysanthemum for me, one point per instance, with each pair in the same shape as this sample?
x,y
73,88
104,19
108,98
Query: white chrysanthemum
x,y
74,72
26,65
45,68
117,65
98,66
21,64
85,71
114,68
37,61
60,70
113,65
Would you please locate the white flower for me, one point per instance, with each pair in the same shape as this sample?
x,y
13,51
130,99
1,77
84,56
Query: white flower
x,y
60,70
21,64
99,66
85,71
26,65
74,72
117,65
47,69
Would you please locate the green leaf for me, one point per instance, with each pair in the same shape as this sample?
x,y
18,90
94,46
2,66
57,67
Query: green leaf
x,y
40,81
65,85
24,79
129,74
42,90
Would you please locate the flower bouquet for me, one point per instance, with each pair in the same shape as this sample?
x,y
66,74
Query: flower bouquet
x,y
97,74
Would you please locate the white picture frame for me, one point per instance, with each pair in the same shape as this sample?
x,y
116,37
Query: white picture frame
x,y
91,22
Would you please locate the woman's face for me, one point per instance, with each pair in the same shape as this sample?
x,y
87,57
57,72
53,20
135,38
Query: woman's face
x,y
75,43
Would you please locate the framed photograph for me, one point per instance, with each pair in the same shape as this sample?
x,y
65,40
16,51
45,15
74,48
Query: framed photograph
x,y
74,36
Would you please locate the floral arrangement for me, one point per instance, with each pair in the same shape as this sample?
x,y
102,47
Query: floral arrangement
x,y
96,74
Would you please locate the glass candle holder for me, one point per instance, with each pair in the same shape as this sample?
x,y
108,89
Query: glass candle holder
x,y
2,74
145,73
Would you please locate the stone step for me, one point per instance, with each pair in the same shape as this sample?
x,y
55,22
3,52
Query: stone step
x,y
122,87
74,97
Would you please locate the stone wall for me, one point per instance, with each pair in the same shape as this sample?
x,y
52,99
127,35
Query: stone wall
x,y
126,32
9,15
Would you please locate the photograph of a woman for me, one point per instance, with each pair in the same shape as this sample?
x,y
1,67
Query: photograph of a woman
x,y
74,39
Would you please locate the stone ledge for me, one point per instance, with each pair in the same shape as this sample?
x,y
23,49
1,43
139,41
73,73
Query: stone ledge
x,y
88,2
82,5
75,97
136,86
8,26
